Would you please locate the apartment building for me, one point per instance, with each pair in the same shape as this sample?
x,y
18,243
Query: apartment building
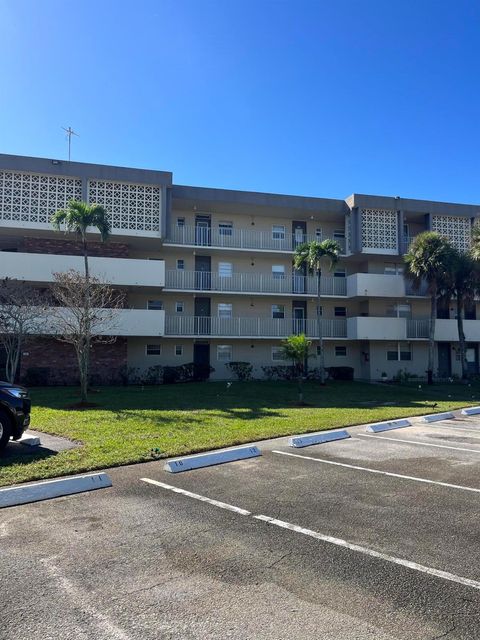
x,y
208,277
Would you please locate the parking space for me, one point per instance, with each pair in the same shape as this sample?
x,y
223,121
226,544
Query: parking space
x,y
375,536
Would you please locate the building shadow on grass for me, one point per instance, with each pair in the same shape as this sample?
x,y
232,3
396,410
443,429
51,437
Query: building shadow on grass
x,y
13,456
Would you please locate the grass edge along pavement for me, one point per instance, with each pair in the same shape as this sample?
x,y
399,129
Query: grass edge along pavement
x,y
138,424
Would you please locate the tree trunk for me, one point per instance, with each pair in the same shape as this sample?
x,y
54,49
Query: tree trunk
x,y
461,337
85,368
431,335
319,328
300,390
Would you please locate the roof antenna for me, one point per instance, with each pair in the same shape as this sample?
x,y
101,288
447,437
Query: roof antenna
x,y
70,132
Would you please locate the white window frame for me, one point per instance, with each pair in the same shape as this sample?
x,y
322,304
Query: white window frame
x,y
176,347
318,234
180,261
339,234
179,304
180,222
399,350
153,349
223,349
278,232
339,315
399,310
225,310
341,347
155,305
277,351
280,306
278,272
223,268
225,228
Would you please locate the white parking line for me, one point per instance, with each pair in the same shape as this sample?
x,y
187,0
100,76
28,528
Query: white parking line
x,y
383,473
370,552
445,575
196,496
454,427
423,444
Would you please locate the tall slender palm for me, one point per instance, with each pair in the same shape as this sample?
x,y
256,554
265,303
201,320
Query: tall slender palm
x,y
429,259
77,217
312,255
462,284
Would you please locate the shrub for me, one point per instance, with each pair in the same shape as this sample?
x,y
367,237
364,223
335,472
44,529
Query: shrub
x,y
153,375
243,370
280,372
128,375
340,373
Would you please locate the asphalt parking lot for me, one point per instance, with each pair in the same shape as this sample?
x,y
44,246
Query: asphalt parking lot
x,y
376,537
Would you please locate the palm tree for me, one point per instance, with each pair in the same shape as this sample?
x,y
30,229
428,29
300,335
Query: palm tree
x,y
78,217
312,255
295,348
462,284
429,260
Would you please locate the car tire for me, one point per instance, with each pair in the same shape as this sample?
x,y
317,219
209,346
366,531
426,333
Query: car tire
x,y
5,430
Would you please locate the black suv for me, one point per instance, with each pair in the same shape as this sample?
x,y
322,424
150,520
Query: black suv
x,y
14,412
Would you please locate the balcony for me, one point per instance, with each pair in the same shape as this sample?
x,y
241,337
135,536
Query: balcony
x,y
392,329
118,322
446,330
40,267
238,239
375,284
254,283
252,327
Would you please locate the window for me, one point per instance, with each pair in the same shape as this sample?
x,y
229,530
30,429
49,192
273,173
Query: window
x,y
338,234
318,235
319,351
278,272
340,312
393,269
339,273
319,310
154,305
278,232
180,223
225,228
179,350
277,354
225,269
340,351
179,307
278,311
224,310
224,352
180,265
153,349
399,311
399,351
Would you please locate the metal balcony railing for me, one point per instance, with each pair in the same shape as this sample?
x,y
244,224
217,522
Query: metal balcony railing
x,y
254,283
253,327
239,238
417,328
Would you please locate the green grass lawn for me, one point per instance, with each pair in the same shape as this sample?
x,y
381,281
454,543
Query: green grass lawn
x,y
185,418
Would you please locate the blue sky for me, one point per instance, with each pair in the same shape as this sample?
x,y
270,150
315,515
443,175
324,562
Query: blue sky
x,y
313,98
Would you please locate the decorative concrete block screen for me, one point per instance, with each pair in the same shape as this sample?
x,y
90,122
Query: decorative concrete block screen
x,y
456,229
348,233
379,231
134,207
33,197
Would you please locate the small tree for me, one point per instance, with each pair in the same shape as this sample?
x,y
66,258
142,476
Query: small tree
x,y
312,255
296,348
80,324
76,218
429,259
22,314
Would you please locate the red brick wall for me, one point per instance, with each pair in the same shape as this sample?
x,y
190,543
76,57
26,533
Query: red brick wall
x,y
60,359
70,247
